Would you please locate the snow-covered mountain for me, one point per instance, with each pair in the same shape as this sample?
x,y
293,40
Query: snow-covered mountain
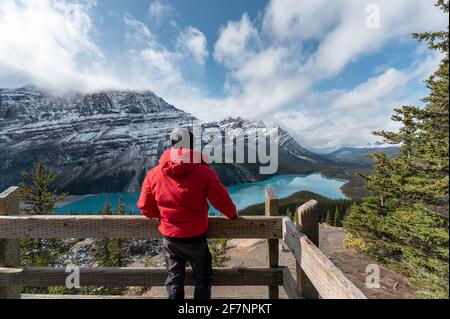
x,y
96,143
106,141
360,155
285,141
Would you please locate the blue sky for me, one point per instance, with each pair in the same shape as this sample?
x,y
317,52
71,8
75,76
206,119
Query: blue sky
x,y
207,16
329,72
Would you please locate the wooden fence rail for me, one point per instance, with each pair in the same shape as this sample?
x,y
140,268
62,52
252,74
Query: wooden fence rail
x,y
316,275
307,220
125,227
135,277
273,253
9,248
329,281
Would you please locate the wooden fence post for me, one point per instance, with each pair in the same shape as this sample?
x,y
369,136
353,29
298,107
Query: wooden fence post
x,y
308,222
272,244
10,248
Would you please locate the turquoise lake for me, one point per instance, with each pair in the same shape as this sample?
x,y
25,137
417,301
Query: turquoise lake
x,y
243,195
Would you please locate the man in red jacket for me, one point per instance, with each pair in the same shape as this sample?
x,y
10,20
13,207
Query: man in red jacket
x,y
177,193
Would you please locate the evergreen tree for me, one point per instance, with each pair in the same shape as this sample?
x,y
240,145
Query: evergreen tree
x,y
337,218
102,245
111,252
404,223
38,191
122,210
330,218
218,248
147,258
118,247
39,195
290,215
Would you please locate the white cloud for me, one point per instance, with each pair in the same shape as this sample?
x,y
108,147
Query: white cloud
x,y
301,43
351,38
266,82
194,41
141,33
152,65
361,96
298,20
236,43
159,10
43,42
51,44
328,120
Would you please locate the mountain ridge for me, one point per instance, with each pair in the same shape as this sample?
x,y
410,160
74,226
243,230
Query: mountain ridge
x,y
360,155
106,141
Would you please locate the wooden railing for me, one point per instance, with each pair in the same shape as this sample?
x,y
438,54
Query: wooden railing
x,y
316,275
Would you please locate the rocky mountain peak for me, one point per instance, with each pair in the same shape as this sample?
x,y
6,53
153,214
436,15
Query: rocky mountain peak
x,y
30,104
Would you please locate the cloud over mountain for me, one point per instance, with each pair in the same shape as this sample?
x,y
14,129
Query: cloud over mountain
x,y
285,65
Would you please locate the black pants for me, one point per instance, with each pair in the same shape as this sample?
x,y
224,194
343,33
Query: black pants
x,y
197,253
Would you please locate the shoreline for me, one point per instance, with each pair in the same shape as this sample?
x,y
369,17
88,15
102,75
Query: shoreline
x,y
347,181
348,197
70,199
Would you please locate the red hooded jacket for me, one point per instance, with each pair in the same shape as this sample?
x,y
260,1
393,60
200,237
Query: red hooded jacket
x,y
177,193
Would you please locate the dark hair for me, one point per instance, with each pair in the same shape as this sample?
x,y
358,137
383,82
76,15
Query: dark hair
x,y
182,138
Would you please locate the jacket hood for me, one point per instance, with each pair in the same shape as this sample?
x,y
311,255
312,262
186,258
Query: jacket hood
x,y
175,162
